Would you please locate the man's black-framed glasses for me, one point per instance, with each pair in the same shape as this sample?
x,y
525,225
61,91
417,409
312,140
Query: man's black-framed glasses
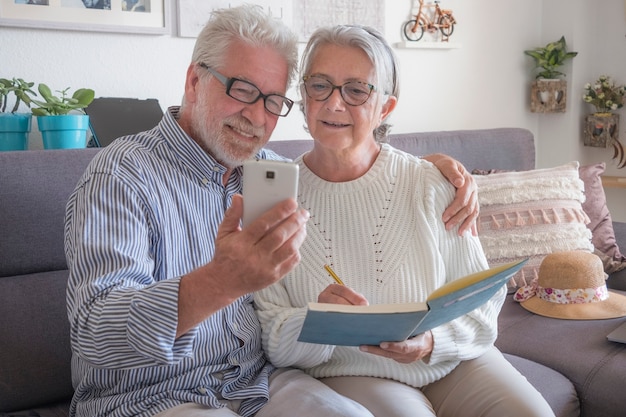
x,y
246,92
353,93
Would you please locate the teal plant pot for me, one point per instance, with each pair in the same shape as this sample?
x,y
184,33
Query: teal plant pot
x,y
14,130
68,131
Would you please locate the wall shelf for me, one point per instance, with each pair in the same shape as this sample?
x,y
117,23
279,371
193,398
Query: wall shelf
x,y
426,45
609,181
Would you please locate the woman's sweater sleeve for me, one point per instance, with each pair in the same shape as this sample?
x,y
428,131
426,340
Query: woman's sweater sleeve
x,y
281,324
470,335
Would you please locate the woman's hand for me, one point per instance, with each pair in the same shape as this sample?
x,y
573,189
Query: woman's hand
x,y
340,294
411,350
464,208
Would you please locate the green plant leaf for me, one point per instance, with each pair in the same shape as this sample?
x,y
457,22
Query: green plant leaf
x,y
19,88
63,104
45,92
550,57
84,96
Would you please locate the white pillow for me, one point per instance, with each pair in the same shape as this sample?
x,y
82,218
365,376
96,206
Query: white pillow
x,y
530,214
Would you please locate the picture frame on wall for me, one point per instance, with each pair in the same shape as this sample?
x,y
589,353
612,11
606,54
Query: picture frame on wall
x,y
130,16
301,16
193,14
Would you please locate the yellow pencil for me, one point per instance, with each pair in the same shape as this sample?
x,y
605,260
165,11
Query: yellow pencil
x,y
332,274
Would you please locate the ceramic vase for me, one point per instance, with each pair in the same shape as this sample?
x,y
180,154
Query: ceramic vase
x,y
14,130
68,131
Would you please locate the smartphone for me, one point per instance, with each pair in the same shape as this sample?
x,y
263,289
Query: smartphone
x,y
266,183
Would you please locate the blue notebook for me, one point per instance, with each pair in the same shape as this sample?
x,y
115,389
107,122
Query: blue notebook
x,y
349,325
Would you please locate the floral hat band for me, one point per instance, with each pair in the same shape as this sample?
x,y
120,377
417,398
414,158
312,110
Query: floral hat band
x,y
571,285
562,296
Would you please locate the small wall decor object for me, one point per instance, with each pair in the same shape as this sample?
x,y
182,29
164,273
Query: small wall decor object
x,y
602,126
548,95
429,18
548,92
601,129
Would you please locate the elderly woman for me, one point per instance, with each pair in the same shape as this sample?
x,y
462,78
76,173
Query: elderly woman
x,y
375,219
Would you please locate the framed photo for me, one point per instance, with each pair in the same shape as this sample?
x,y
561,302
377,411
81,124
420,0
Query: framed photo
x,y
193,14
302,16
133,16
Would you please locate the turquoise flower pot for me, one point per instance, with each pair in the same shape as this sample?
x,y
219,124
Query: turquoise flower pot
x,y
68,131
14,129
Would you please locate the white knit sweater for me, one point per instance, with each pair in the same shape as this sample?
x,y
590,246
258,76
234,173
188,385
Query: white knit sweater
x,y
383,235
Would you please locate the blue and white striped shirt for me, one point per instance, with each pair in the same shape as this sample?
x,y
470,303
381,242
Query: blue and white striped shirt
x,y
146,212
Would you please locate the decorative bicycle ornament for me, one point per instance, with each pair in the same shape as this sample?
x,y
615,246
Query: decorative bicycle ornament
x,y
431,18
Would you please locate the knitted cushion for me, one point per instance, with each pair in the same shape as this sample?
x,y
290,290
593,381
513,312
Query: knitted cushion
x,y
529,214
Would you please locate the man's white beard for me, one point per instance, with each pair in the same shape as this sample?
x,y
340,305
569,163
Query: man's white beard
x,y
215,140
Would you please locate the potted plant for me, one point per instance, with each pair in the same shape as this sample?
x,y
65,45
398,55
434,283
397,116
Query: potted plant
x,y
549,91
60,118
14,126
602,126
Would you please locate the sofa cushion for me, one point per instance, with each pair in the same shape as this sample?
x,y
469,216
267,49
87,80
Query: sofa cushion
x,y
577,349
600,222
32,224
558,391
35,349
529,214
61,409
617,280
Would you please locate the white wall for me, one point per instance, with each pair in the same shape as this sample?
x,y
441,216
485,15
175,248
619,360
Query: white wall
x,y
596,30
482,84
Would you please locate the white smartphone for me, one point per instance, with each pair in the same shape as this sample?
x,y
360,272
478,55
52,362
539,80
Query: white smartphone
x,y
266,183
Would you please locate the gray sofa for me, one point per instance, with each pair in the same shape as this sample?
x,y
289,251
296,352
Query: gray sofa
x,y
570,362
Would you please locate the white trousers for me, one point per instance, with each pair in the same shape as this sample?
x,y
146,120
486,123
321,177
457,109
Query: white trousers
x,y
292,394
488,386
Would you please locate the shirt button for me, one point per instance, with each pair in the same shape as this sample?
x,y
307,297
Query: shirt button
x,y
202,390
205,181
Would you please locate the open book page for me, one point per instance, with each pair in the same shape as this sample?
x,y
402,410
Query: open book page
x,y
348,325
464,295
371,309
470,280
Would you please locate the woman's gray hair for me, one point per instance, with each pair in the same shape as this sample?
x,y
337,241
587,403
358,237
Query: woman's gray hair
x,y
370,41
250,24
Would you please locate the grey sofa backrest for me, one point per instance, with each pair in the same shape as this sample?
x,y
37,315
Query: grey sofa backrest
x,y
34,188
34,331
484,149
501,148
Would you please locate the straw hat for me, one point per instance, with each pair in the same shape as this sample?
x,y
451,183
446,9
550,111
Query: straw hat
x,y
572,285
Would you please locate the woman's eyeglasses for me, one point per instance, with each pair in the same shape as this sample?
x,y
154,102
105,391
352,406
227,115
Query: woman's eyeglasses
x,y
248,93
353,93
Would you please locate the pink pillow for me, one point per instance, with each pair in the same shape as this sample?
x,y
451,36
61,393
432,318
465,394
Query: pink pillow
x,y
600,223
